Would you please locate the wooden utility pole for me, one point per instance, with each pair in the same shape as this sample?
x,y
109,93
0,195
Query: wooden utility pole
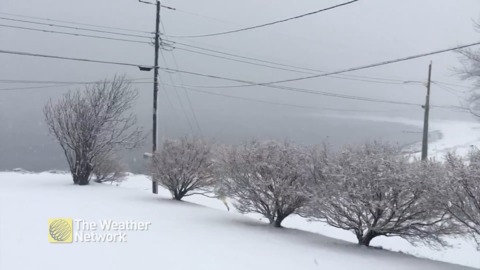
x,y
155,83
155,91
426,116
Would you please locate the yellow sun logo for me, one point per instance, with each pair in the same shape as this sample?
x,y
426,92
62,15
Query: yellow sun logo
x,y
60,230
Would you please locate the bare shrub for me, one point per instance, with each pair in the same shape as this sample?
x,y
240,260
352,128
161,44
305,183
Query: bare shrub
x,y
184,167
93,123
109,169
461,191
373,190
264,177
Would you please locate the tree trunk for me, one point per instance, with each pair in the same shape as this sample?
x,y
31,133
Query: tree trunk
x,y
178,195
271,219
83,181
278,221
364,240
75,179
82,175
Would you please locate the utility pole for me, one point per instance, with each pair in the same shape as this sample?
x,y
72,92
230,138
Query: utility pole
x,y
426,116
155,83
155,86
155,91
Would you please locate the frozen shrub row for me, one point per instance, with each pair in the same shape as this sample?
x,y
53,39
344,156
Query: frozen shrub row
x,y
371,189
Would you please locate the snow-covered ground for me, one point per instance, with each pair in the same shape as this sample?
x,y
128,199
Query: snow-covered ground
x,y
198,234
457,136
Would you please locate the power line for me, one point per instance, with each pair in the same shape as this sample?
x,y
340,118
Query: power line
x,y
450,90
185,91
37,87
215,94
268,24
240,25
236,60
167,95
70,58
452,84
376,64
186,94
188,98
178,96
189,88
72,34
279,103
286,69
137,41
74,28
63,82
304,70
302,90
75,23
39,82
55,84
324,93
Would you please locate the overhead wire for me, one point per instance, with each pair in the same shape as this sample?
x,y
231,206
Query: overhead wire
x,y
74,28
183,44
37,87
71,58
266,24
185,91
324,93
193,89
62,82
388,62
452,84
279,103
72,34
56,84
367,79
286,69
294,89
449,90
177,95
214,94
76,23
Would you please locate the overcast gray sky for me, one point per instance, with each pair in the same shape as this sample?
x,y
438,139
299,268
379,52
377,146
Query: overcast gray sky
x,y
362,33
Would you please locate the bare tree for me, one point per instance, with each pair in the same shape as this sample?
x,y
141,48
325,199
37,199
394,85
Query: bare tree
x,y
470,70
92,123
184,167
109,168
461,191
373,190
264,177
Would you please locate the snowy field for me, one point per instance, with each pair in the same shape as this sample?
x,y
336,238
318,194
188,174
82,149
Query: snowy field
x,y
198,234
